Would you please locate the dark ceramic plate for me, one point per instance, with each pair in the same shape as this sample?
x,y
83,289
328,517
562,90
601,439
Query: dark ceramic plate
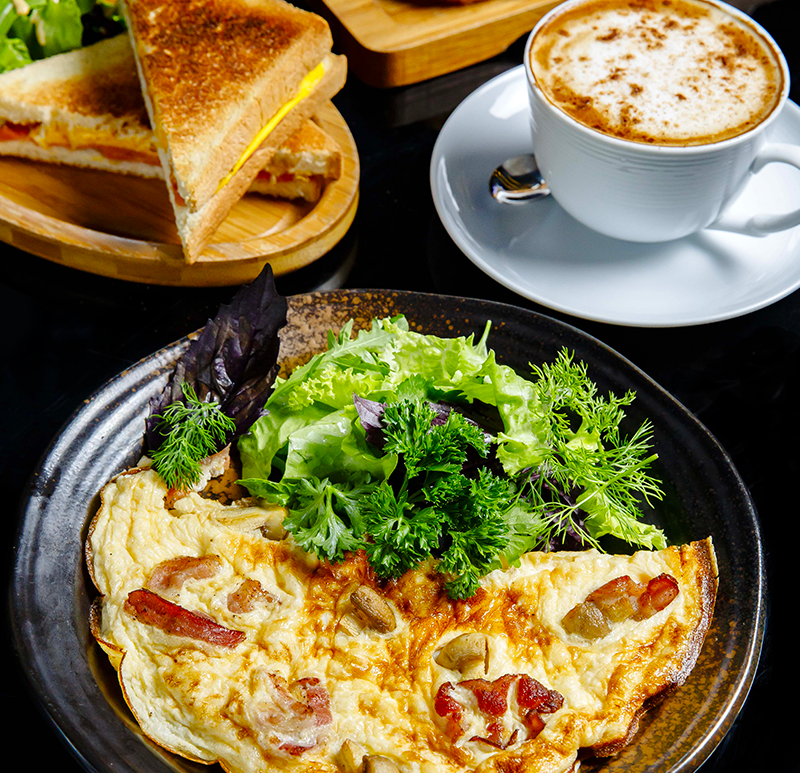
x,y
51,591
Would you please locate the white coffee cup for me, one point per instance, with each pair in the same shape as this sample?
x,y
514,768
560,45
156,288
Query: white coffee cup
x,y
653,193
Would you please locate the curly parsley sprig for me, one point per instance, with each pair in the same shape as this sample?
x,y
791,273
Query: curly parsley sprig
x,y
437,509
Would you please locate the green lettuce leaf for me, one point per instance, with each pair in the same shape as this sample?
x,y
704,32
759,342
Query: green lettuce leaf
x,y
58,26
335,447
523,442
13,49
446,363
344,351
332,387
13,54
270,434
44,28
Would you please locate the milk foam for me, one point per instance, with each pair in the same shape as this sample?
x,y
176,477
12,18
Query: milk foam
x,y
665,72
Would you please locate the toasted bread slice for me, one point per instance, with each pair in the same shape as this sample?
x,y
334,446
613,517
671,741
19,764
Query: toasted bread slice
x,y
215,76
85,108
507,681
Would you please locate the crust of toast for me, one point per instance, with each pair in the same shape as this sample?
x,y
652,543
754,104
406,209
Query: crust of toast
x,y
196,226
213,73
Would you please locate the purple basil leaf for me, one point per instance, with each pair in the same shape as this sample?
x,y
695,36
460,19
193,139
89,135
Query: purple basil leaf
x,y
233,361
440,413
371,414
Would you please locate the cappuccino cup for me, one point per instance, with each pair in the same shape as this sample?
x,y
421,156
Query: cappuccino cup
x,y
650,116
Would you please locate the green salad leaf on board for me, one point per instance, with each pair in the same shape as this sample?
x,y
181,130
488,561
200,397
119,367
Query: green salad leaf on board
x,y
37,29
414,447
13,50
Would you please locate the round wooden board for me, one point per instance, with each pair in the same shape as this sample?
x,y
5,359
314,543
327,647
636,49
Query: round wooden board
x,y
392,43
123,227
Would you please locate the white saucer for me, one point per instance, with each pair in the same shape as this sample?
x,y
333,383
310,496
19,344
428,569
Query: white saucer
x,y
542,253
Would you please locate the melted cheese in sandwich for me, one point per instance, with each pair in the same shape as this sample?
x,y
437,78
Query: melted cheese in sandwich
x,y
306,88
57,134
294,675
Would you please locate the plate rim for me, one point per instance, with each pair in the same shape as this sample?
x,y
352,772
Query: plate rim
x,y
164,358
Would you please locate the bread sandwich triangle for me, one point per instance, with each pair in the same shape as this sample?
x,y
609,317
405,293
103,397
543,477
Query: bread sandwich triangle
x,y
225,82
85,108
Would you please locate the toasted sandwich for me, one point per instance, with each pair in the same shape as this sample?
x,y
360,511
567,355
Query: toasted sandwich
x,y
85,108
225,83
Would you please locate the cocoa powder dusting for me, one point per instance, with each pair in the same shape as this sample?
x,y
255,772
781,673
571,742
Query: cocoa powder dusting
x,y
722,59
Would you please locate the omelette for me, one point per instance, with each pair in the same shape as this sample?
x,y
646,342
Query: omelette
x,y
233,645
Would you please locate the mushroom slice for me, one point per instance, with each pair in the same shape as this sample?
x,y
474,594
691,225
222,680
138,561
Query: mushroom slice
x,y
377,763
465,652
373,609
351,756
251,514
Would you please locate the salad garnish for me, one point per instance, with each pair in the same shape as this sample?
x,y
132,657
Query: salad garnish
x,y
410,447
191,431
220,383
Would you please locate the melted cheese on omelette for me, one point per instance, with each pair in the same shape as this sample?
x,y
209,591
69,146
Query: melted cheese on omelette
x,y
310,679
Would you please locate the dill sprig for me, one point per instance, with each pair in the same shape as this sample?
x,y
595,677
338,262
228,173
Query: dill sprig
x,y
192,431
591,481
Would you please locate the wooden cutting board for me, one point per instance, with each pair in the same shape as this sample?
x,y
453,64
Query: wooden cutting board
x,y
122,227
396,43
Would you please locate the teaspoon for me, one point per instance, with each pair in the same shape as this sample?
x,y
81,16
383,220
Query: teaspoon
x,y
517,180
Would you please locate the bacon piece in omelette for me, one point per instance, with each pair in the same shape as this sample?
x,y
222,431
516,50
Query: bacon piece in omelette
x,y
292,718
150,608
661,591
499,705
618,600
248,596
170,575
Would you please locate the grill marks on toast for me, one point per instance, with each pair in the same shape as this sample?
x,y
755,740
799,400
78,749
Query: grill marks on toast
x,y
98,82
199,57
114,93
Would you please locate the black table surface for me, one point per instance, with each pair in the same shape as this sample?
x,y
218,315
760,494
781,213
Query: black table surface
x,y
66,333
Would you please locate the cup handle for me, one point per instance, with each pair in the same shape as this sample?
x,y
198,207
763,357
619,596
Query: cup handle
x,y
762,225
